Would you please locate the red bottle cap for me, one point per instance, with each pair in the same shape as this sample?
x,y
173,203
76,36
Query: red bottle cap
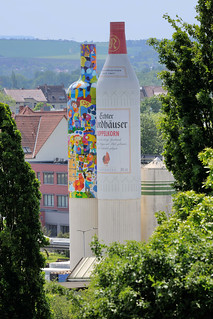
x,y
117,41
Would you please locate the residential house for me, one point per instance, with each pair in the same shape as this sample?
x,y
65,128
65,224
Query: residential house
x,y
25,97
44,141
55,95
149,91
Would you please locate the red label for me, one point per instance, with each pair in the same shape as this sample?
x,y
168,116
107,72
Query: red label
x,y
114,44
117,41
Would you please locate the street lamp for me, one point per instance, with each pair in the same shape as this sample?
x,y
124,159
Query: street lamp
x,y
84,232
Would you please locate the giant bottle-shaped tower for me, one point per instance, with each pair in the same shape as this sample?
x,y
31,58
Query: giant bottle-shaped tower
x,y
82,157
118,144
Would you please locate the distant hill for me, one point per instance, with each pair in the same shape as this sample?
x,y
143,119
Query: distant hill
x,y
60,49
26,56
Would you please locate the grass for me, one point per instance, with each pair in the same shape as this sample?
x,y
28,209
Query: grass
x,y
53,256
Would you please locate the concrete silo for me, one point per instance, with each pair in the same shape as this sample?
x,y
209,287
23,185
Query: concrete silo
x,y
156,194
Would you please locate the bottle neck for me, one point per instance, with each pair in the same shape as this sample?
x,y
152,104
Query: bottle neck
x,y
117,41
88,62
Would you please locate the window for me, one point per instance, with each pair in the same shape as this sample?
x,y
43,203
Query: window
x,y
48,200
49,178
39,176
62,178
52,229
26,150
62,201
64,229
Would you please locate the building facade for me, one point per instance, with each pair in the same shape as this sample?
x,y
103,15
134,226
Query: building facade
x,y
25,97
55,95
54,206
44,141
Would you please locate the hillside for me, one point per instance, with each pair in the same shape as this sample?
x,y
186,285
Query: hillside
x,y
26,57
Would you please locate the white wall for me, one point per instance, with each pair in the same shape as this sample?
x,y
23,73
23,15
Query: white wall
x,y
56,145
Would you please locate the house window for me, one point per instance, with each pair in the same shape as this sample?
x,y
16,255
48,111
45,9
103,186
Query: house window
x,y
48,178
62,178
62,201
39,176
48,200
64,229
52,229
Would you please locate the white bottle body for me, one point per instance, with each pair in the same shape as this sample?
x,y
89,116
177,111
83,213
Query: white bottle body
x,y
118,97
119,180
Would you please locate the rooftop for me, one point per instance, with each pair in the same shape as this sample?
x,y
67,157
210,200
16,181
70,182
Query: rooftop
x,y
36,127
20,95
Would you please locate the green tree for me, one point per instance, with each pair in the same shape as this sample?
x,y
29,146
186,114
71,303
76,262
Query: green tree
x,y
149,76
63,301
21,281
48,77
169,277
188,106
6,99
151,138
5,81
151,104
14,80
40,105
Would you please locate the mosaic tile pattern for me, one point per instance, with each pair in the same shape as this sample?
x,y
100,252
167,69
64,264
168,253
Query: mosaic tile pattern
x,y
82,157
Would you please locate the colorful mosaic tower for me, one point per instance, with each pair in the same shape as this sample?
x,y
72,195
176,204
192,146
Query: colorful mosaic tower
x,y
82,157
81,128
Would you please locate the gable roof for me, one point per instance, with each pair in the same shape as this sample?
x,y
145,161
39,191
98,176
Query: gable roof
x,y
36,128
54,93
20,95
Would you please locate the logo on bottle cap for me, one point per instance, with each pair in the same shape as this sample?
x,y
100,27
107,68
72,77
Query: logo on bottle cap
x,y
114,43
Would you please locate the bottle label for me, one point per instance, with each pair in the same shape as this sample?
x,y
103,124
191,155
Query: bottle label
x,y
114,43
113,140
114,72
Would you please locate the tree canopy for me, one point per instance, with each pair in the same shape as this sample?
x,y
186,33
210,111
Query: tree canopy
x,y
40,105
7,99
188,107
151,104
151,138
21,281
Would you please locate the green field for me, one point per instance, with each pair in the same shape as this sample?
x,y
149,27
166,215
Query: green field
x,y
44,49
25,57
58,49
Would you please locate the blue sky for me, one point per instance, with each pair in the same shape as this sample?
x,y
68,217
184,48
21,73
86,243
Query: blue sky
x,y
88,20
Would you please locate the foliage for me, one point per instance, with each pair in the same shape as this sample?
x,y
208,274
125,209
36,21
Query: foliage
x,y
168,277
51,256
40,105
151,104
21,238
149,76
207,159
188,106
97,247
46,232
151,137
39,78
63,301
6,99
63,235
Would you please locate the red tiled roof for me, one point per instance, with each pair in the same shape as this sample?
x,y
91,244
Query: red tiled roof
x,y
36,128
